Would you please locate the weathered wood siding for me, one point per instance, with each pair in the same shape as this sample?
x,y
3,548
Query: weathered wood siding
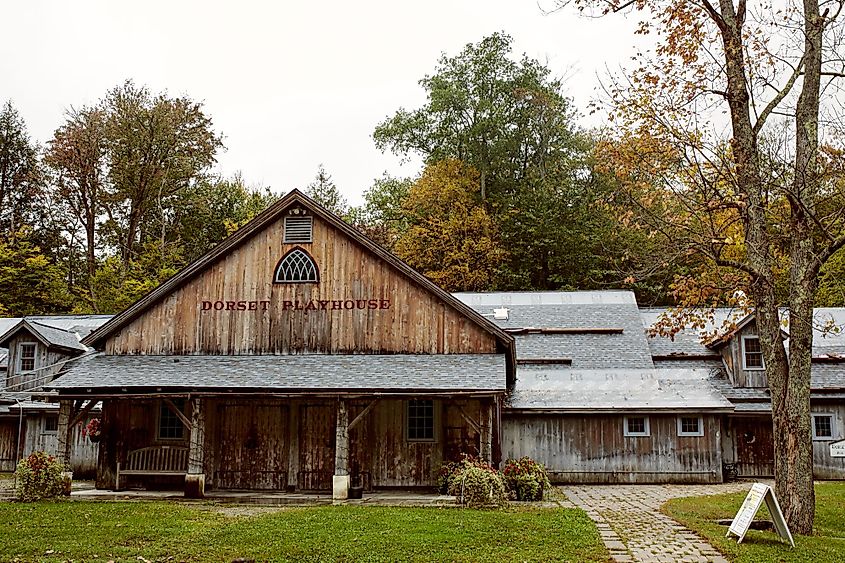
x,y
258,321
732,356
289,444
83,452
825,466
45,364
751,441
593,449
252,446
8,442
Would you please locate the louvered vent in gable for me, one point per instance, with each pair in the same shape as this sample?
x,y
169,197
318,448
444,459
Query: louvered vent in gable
x,y
298,229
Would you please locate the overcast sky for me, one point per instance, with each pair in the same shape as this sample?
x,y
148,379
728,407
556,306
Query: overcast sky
x,y
289,85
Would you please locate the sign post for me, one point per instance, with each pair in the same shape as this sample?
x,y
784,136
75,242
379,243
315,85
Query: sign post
x,y
759,493
837,449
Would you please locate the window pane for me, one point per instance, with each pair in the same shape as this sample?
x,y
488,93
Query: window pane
x,y
51,424
636,425
170,427
823,426
753,353
421,420
689,425
27,352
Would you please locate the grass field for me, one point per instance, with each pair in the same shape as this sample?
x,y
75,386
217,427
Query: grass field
x,y
167,531
826,545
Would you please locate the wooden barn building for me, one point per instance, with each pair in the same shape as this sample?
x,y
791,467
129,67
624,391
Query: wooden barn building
x,y
299,355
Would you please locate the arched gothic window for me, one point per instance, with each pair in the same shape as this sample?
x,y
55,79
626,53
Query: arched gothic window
x,y
296,266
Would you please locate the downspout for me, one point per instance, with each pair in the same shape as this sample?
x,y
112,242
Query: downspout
x,y
19,445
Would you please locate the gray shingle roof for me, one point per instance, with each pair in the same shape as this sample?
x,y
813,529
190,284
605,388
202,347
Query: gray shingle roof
x,y
572,310
561,389
399,372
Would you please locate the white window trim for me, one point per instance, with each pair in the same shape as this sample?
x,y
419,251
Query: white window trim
x,y
700,431
435,416
832,417
742,352
19,360
646,425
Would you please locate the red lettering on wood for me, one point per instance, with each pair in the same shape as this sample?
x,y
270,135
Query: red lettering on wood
x,y
348,304
384,304
206,305
287,305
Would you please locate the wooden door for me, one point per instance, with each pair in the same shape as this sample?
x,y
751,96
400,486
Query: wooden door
x,y
316,447
253,446
8,442
754,446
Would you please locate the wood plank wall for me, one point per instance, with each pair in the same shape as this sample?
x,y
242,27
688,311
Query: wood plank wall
x,y
8,441
732,355
289,444
416,321
43,357
825,466
83,452
593,449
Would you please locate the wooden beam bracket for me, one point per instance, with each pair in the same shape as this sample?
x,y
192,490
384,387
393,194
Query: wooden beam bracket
x,y
362,414
185,420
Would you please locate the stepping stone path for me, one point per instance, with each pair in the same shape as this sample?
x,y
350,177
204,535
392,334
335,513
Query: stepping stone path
x,y
633,528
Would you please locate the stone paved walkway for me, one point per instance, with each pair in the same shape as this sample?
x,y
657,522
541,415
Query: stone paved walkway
x,y
633,528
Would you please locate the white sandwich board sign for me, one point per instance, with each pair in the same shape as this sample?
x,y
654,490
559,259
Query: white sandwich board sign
x,y
837,449
759,493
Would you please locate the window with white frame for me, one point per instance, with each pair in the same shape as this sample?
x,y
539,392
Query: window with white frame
x,y
752,353
637,426
26,356
170,426
822,427
690,426
420,420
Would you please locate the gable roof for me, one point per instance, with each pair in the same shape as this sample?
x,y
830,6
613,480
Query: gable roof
x,y
48,335
227,246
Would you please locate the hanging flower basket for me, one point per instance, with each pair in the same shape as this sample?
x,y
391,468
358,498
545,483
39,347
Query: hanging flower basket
x,y
92,430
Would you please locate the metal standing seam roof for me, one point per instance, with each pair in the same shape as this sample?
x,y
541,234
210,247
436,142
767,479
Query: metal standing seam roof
x,y
556,389
396,372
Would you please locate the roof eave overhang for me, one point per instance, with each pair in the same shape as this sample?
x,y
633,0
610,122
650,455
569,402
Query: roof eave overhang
x,y
620,410
145,392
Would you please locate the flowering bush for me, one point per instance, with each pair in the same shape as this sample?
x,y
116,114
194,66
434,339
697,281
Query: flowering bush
x,y
40,476
475,483
525,479
92,430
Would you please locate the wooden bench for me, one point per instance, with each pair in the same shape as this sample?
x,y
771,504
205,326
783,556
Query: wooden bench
x,y
154,460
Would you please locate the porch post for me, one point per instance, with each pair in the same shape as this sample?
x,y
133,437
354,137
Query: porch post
x,y
340,488
195,478
486,446
64,446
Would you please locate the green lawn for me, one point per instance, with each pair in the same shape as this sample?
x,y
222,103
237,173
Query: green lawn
x,y
199,532
827,543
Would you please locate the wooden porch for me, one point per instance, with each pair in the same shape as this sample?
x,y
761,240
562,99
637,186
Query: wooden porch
x,y
291,444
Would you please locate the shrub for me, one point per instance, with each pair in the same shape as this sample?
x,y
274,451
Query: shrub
x,y
40,476
476,484
525,479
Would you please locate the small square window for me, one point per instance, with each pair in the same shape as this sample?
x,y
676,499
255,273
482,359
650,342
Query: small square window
x,y
637,426
690,426
51,424
420,421
170,426
752,353
26,355
822,426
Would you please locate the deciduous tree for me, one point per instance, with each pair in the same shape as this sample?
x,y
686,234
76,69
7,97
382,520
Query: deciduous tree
x,y
766,171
